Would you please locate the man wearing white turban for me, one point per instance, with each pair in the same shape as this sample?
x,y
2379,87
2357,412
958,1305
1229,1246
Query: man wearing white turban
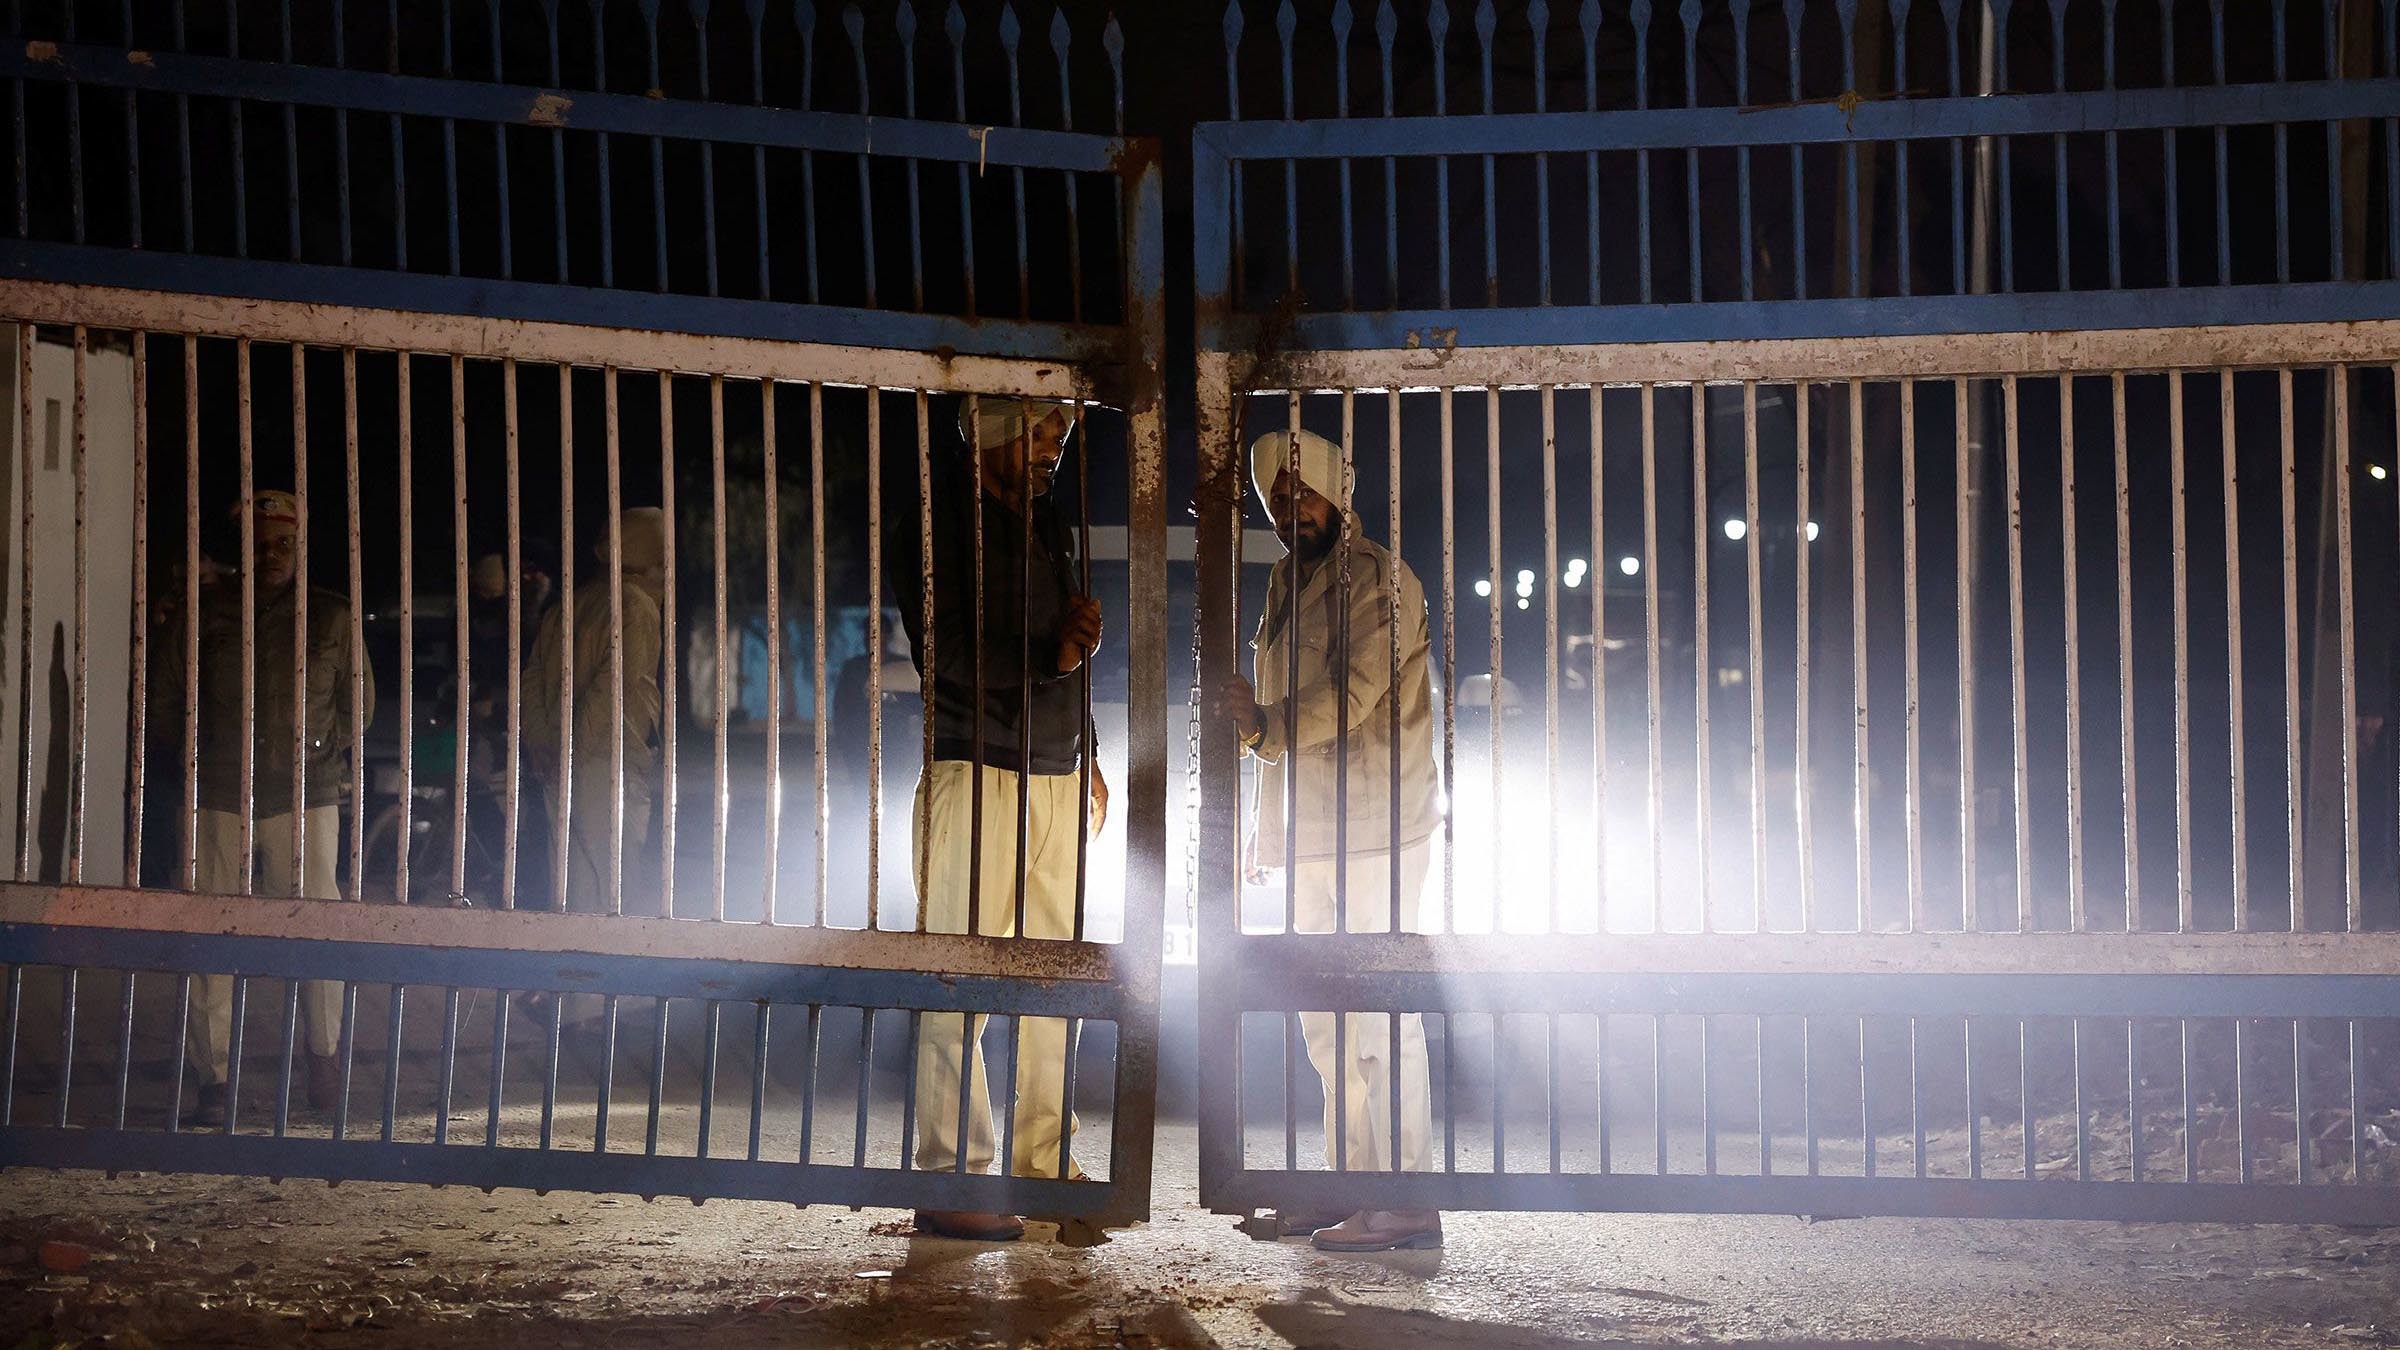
x,y
1341,718
1008,728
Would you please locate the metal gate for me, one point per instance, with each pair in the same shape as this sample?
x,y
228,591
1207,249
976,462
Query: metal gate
x,y
458,288
1914,742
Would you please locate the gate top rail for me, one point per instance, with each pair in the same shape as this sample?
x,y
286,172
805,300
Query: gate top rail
x,y
1805,169
547,108
786,54
693,209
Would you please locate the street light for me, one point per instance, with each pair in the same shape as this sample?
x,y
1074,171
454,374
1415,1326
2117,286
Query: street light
x,y
1736,528
1812,531
1483,588
1630,565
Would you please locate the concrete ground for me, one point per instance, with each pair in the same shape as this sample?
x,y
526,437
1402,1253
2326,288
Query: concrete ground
x,y
215,1261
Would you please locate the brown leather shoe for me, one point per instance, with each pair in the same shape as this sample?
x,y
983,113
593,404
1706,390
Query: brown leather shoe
x,y
1302,1222
208,1112
970,1225
324,1081
1382,1230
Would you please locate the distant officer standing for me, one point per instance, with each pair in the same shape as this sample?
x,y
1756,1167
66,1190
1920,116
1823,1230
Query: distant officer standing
x,y
324,769
586,791
1300,728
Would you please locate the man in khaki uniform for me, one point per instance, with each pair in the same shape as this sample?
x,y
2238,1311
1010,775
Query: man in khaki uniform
x,y
1297,730
324,770
587,792
1036,638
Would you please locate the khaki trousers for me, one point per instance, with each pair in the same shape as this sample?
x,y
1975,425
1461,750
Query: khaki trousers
x,y
588,856
1363,1065
588,843
220,873
945,861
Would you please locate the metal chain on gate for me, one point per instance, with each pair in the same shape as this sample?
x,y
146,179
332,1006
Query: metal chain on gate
x,y
1272,332
1191,785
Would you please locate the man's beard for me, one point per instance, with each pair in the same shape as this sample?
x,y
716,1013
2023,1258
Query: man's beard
x,y
1312,541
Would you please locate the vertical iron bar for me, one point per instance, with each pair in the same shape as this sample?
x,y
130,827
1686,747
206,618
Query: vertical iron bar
x,y
808,1080
2183,697
403,362
2125,723
1550,1102
287,1026
659,1016
1550,675
708,1071
2133,1098
1658,1091
670,753
1703,667
2191,1134
2235,687
1499,785
874,659
1966,1038
1916,1100
2083,1119
1802,822
1650,633
66,1047
2071,602
1708,1104
614,536
358,634
512,750
2021,755
460,632
1449,667
771,487
608,1070
550,1040
2025,1125
1866,1107
233,1059
2294,859
1913,781
823,822
449,1069
562,811
1594,408
80,693
719,522
1499,1094
2355,918
1861,792
393,1016
246,776
124,1049
2241,1096
1753,528
137,738
497,1074
27,336
188,805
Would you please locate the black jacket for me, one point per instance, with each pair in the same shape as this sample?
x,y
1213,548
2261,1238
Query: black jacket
x,y
1025,597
